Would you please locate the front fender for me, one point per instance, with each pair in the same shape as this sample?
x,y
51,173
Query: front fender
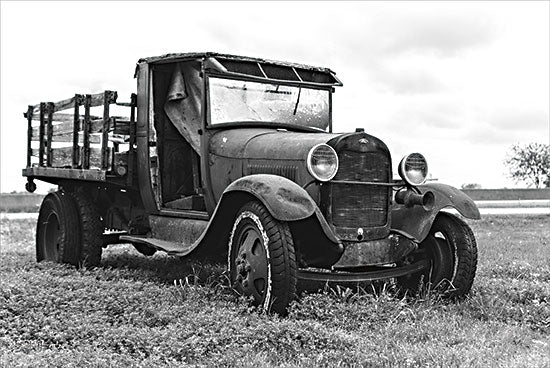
x,y
285,200
417,221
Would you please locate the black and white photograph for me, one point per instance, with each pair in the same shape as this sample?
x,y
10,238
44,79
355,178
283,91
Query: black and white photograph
x,y
275,183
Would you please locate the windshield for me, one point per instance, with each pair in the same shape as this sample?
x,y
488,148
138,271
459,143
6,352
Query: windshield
x,y
237,101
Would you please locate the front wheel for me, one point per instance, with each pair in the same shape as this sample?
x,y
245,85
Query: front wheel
x,y
262,263
452,250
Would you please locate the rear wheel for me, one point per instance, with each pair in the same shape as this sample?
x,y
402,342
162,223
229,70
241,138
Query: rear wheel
x,y
452,250
58,229
91,240
261,258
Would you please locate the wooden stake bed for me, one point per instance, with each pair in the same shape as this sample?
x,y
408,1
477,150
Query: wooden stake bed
x,y
62,145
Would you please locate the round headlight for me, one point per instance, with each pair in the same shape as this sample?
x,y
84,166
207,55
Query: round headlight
x,y
413,168
322,162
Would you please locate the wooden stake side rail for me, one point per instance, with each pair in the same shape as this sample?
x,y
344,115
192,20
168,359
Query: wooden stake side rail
x,y
95,100
81,131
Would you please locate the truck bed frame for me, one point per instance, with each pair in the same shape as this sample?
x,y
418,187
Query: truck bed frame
x,y
77,159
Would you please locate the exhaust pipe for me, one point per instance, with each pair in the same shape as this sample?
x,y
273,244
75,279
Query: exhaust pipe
x,y
409,198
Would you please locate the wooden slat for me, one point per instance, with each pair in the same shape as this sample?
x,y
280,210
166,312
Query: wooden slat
x,y
94,139
96,126
62,157
64,117
86,132
49,135
76,126
105,158
29,135
96,100
52,172
42,133
127,104
60,105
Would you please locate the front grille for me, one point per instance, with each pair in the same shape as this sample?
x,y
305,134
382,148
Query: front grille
x,y
357,205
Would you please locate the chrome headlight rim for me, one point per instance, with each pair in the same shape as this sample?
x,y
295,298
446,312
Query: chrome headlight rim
x,y
403,172
310,164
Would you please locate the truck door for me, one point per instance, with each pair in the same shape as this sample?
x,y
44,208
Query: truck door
x,y
175,120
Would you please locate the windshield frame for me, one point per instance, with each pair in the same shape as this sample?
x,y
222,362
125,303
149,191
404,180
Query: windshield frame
x,y
239,77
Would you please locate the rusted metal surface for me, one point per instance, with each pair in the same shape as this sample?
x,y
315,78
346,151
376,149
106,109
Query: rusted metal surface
x,y
417,221
356,202
239,162
132,140
285,200
171,247
142,139
181,230
234,153
387,250
177,57
377,274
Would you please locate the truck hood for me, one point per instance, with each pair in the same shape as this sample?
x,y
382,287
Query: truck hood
x,y
265,143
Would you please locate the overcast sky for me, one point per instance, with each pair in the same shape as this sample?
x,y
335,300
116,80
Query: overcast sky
x,y
459,82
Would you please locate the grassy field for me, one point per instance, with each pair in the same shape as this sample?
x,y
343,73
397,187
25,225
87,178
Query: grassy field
x,y
160,311
20,202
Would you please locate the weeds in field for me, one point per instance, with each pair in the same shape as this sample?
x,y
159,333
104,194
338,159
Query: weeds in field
x,y
162,311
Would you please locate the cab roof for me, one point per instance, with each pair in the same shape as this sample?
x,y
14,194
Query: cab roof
x,y
254,67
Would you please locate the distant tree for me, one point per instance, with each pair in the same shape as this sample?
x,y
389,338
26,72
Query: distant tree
x,y
529,163
471,186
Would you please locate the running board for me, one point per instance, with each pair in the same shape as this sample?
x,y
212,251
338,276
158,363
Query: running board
x,y
172,248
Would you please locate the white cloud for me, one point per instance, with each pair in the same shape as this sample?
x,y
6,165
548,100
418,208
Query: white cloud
x,y
450,79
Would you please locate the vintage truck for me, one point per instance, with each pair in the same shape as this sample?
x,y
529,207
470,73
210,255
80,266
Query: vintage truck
x,y
234,159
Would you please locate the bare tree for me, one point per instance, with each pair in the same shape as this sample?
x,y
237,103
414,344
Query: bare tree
x,y
529,163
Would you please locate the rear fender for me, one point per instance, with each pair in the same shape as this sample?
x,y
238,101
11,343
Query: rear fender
x,y
416,221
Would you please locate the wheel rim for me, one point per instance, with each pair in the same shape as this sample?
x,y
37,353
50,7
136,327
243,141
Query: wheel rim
x,y
439,252
251,262
443,241
52,242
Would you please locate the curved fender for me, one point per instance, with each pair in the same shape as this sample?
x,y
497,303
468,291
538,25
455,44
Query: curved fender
x,y
416,221
285,200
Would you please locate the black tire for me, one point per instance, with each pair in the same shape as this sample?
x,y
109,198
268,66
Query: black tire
x,y
451,247
58,229
261,258
91,239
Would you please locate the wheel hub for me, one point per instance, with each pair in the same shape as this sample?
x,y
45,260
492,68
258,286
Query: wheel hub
x,y
251,263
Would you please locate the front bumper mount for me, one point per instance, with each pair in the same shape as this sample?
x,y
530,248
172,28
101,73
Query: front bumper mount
x,y
377,274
